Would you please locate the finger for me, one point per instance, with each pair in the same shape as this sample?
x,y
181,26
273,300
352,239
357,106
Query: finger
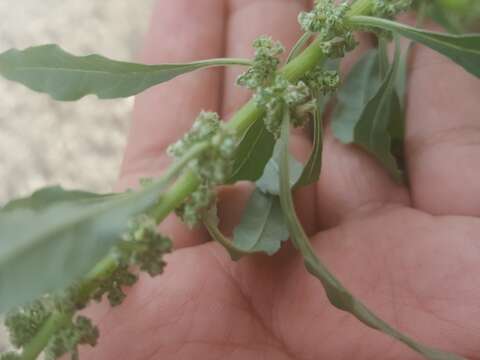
x,y
249,19
164,113
351,178
443,135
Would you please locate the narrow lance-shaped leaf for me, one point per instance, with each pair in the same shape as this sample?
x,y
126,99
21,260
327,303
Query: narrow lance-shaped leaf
x,y
49,69
462,49
338,295
313,167
262,227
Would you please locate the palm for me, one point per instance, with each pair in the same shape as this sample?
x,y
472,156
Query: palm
x,y
414,269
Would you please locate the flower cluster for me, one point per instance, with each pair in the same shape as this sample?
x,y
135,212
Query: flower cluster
x,y
390,8
279,96
25,322
68,339
322,81
329,21
213,167
265,63
144,247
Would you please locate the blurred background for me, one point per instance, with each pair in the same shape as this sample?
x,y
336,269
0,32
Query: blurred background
x,y
80,144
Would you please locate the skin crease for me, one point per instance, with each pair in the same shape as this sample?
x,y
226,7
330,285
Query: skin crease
x,y
412,255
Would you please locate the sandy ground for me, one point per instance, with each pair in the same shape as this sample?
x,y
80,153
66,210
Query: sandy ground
x,y
78,145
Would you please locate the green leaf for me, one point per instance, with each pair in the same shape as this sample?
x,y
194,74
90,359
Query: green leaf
x,y
313,167
462,49
338,295
359,88
49,69
268,183
50,195
253,153
262,227
56,236
47,241
370,130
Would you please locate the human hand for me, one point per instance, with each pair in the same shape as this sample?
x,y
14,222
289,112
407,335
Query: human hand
x,y
410,254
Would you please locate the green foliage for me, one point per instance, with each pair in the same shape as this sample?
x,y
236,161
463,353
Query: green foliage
x,y
462,49
69,232
268,183
338,295
70,337
23,323
368,109
49,69
252,153
312,169
97,242
262,227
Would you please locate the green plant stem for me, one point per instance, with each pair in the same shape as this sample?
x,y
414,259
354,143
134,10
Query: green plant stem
x,y
337,294
187,183
42,338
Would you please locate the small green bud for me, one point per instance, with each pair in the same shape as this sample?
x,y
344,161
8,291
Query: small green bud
x,y
112,286
144,246
338,46
322,81
280,95
265,63
327,19
390,8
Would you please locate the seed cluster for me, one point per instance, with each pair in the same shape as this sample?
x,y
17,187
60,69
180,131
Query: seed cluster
x,y
213,167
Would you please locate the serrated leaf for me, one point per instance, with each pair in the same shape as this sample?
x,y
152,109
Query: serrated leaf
x,y
49,69
268,183
253,153
462,49
53,237
262,227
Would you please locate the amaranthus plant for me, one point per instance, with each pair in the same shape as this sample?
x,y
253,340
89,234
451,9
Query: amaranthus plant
x,y
60,249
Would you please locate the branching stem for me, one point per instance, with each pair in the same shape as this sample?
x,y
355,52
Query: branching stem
x,y
188,182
